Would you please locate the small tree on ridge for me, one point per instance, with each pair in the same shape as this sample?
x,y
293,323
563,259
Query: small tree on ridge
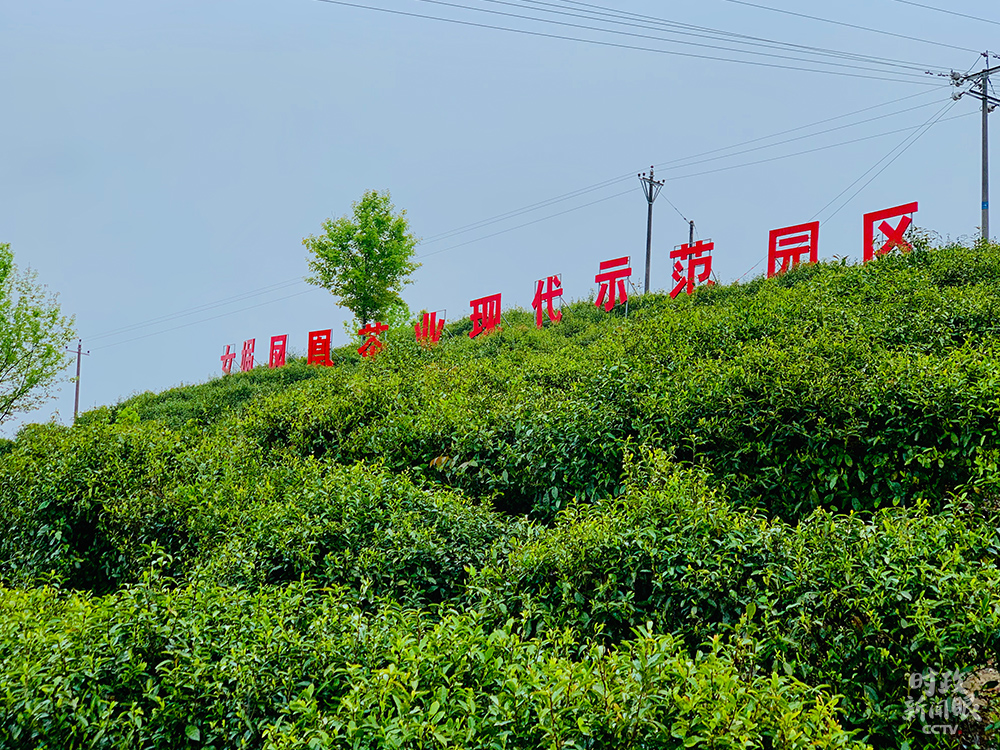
x,y
364,259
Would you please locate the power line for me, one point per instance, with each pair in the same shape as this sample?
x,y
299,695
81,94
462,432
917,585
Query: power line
x,y
603,14
850,25
949,12
921,69
665,165
903,145
619,45
277,286
807,151
205,320
526,224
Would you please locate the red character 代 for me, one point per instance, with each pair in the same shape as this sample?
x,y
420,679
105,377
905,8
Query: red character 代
x,y
485,314
319,348
788,246
696,255
372,345
430,333
227,360
553,289
246,360
277,358
893,235
612,275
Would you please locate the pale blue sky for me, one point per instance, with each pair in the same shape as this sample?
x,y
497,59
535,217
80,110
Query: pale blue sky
x,y
162,156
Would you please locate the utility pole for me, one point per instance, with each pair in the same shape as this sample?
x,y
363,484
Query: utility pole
x,y
80,353
989,103
691,233
651,188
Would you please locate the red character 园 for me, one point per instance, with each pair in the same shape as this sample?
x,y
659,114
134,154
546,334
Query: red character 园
x,y
788,247
277,358
227,360
893,234
430,333
319,348
485,314
696,256
372,345
552,289
612,274
246,359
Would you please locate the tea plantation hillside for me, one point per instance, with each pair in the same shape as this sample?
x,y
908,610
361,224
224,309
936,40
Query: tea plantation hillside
x,y
748,518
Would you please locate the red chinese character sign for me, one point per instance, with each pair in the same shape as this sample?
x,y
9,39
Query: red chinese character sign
x,y
246,359
227,360
547,290
278,345
612,275
893,234
485,314
788,247
319,348
429,333
372,345
695,257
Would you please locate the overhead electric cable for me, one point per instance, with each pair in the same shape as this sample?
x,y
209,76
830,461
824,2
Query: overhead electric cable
x,y
903,145
850,25
619,45
949,12
199,308
653,23
205,320
920,70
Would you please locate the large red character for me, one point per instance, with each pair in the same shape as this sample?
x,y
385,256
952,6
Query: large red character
x,y
612,275
227,360
893,235
277,358
246,360
430,333
319,348
372,345
696,255
553,289
787,247
485,314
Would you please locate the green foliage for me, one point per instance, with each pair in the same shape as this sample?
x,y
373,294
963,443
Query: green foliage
x,y
33,338
160,666
364,259
454,546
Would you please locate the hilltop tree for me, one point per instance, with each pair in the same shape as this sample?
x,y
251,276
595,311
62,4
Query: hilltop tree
x,y
33,339
364,259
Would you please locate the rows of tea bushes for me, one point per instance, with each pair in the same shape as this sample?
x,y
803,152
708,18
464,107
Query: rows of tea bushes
x,y
741,519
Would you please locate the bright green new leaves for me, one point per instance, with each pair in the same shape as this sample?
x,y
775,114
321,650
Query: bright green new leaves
x,y
364,259
33,338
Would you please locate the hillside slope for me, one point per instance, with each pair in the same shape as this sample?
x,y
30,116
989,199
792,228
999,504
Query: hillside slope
x,y
745,518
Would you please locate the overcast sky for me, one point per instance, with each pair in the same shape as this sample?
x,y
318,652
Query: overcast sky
x,y
163,160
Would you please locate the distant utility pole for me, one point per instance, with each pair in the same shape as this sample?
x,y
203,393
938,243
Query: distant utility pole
x,y
652,189
981,91
690,232
80,353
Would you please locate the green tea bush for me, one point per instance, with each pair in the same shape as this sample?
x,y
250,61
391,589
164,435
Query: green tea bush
x,y
202,666
837,600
